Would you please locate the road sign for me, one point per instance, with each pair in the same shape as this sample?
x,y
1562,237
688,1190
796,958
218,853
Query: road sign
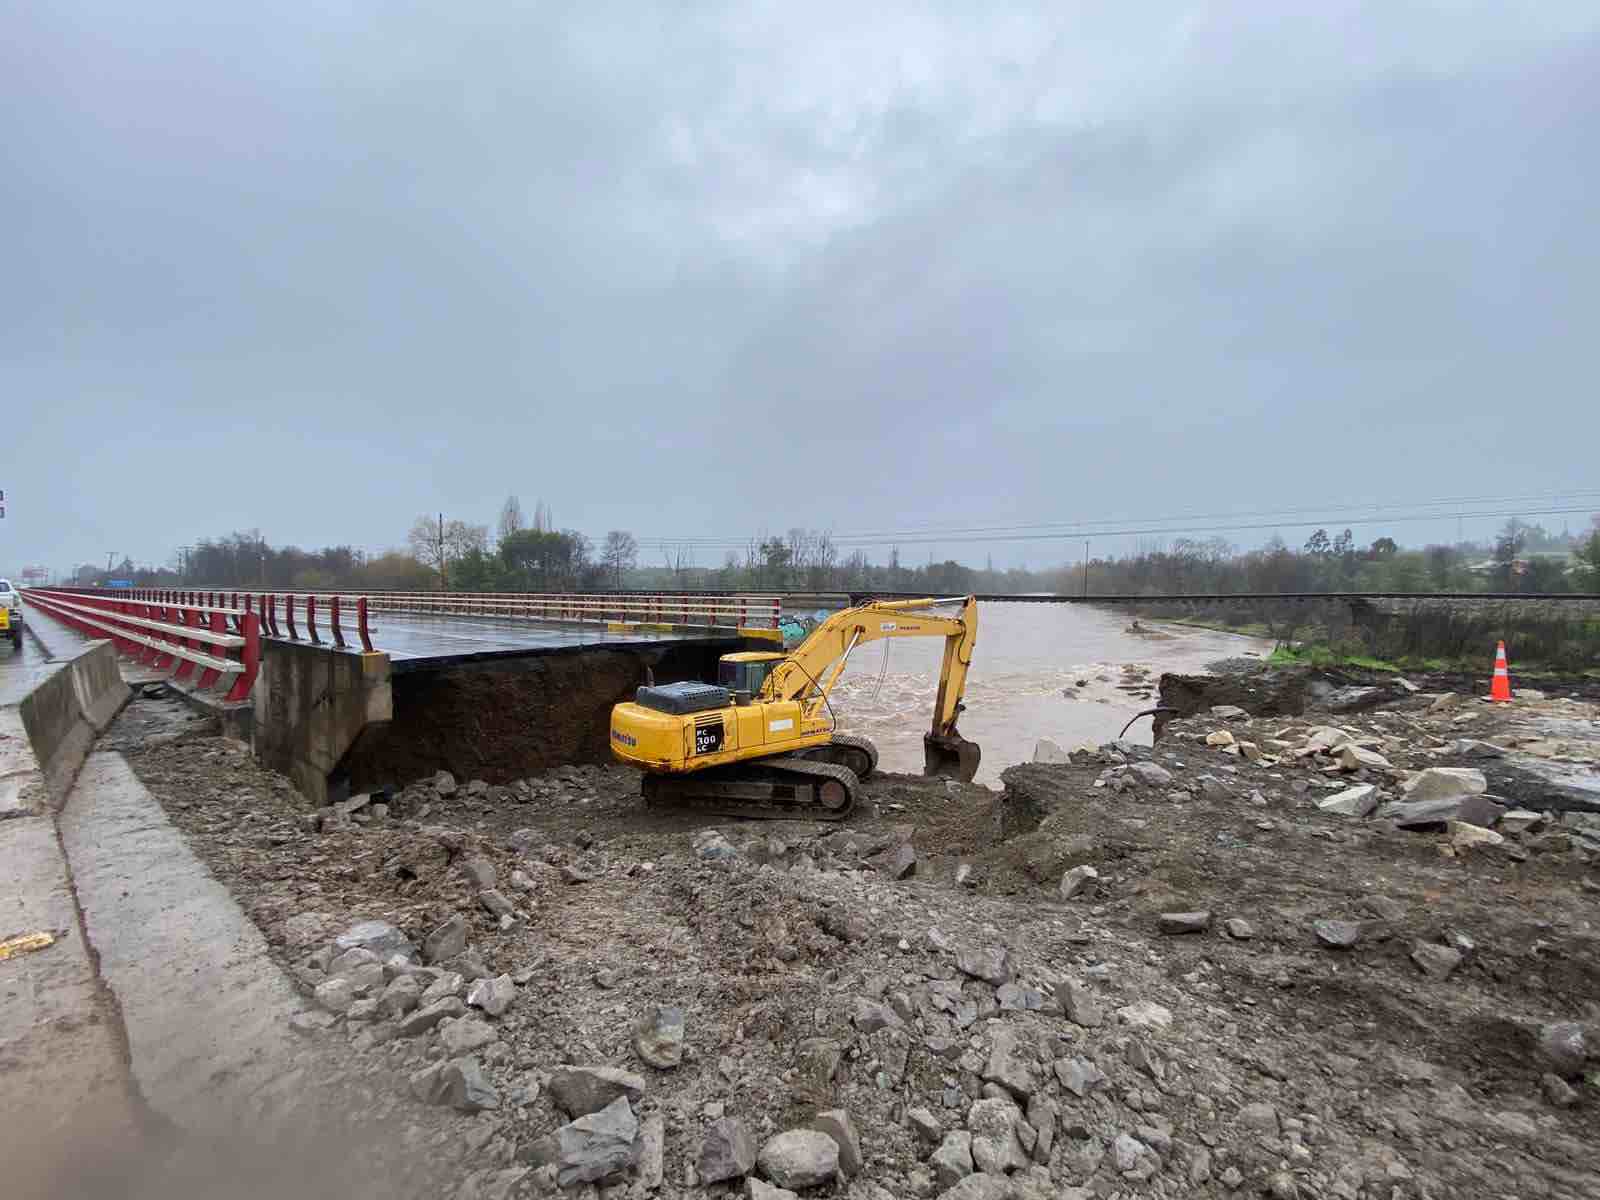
x,y
119,583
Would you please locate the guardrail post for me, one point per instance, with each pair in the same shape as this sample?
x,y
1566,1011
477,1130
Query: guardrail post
x,y
288,606
250,655
185,667
311,620
333,619
218,624
361,624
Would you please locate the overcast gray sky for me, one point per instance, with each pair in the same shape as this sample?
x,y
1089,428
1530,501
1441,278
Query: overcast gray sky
x,y
700,270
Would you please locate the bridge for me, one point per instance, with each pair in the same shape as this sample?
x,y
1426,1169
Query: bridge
x,y
342,690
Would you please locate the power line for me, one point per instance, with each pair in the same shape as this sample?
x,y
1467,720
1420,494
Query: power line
x,y
1073,533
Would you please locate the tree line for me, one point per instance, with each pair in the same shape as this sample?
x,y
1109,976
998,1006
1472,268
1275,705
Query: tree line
x,y
533,555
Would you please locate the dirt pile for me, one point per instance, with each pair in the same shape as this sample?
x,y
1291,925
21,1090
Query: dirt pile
x,y
1139,972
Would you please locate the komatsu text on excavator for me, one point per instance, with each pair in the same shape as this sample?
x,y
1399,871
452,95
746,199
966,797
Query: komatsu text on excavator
x,y
761,742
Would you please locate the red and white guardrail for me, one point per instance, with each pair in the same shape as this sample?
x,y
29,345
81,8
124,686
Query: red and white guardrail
x,y
224,644
714,612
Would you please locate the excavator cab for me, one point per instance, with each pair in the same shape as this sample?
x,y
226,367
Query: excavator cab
x,y
744,673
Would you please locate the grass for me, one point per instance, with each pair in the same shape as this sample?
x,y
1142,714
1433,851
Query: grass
x,y
1322,656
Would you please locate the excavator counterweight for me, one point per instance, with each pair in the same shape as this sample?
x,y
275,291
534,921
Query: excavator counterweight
x,y
763,741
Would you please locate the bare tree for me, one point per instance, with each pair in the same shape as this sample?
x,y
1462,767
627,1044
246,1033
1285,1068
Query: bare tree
x,y
620,553
426,542
510,518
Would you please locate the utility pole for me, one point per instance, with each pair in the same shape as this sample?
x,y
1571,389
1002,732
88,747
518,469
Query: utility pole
x,y
1085,566
443,582
110,554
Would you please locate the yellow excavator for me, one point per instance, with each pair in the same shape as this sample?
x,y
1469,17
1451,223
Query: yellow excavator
x,y
761,742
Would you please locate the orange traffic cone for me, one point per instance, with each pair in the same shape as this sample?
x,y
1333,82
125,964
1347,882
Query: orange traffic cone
x,y
1500,689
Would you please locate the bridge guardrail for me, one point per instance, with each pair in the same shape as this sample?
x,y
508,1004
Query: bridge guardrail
x,y
731,611
166,634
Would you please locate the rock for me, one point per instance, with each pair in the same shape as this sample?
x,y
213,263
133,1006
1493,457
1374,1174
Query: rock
x,y
447,941
402,995
1520,820
1557,1090
444,783
425,1018
466,1034
598,1145
1357,758
479,872
1526,693
995,1148
979,1187
1014,997
1046,751
1259,1117
447,984
1239,929
1150,774
1358,801
496,903
1078,1075
926,1125
1426,814
1228,712
846,923
952,1161
870,1016
1325,739
1473,748
799,1159
363,1010
898,862
1281,1186
712,846
1126,1151
1079,1004
1466,836
309,1024
463,1087
1338,935
658,1037
1563,1049
377,937
582,1090
726,1152
1146,1014
760,1189
494,996
652,1146
1444,783
1075,880
992,964
1220,737
335,995
1184,922
425,1084
816,1061
836,1123
1006,1069
477,787
1042,1113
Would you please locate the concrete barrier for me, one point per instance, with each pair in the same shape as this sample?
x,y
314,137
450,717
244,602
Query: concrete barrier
x,y
66,712
313,705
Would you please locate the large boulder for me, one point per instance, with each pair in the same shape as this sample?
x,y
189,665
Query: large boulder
x,y
726,1153
597,1146
799,1158
1444,783
582,1090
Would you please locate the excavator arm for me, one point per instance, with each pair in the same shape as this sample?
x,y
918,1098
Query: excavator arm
x,y
812,669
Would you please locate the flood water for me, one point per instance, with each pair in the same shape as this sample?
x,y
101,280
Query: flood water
x,y
1025,682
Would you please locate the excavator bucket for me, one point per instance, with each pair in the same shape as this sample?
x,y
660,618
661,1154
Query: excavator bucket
x,y
950,757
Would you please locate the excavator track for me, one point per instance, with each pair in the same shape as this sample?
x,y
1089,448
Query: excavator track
x,y
846,750
787,787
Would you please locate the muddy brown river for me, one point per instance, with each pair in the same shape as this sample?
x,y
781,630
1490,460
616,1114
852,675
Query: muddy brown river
x,y
1058,671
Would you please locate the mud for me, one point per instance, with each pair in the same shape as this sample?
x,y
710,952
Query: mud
x,y
1382,1080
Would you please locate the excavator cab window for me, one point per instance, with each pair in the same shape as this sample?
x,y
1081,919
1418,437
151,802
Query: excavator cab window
x,y
745,676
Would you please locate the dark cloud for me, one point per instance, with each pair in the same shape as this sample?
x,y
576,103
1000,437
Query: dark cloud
x,y
760,266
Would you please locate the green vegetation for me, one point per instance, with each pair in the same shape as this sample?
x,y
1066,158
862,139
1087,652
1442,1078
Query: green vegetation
x,y
1324,656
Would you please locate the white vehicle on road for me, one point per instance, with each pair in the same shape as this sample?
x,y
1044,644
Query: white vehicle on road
x,y
11,607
